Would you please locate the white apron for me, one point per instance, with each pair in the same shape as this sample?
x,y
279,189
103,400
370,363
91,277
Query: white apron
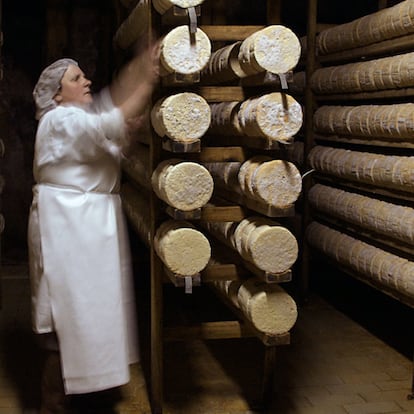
x,y
80,267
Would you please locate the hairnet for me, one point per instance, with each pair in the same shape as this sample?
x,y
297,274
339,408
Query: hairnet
x,y
48,85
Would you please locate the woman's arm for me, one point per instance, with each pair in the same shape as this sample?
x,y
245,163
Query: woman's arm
x,y
133,86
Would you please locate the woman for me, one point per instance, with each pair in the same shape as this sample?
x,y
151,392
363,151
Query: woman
x,y
82,289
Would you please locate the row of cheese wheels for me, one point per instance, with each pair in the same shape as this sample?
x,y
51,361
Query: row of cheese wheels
x,y
377,74
186,117
186,251
376,121
384,218
374,264
385,24
187,185
380,170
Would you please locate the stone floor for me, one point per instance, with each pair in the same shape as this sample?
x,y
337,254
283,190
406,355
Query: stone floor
x,y
350,353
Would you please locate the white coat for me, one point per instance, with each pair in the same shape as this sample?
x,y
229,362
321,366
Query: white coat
x,y
80,267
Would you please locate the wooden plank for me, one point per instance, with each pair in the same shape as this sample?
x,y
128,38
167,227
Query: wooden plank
x,y
228,271
269,277
255,205
223,213
309,142
259,142
208,330
180,147
269,368
365,141
223,154
221,93
229,32
384,94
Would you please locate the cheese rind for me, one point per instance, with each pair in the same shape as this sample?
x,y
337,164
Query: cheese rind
x,y
182,184
268,307
274,49
182,248
183,117
180,54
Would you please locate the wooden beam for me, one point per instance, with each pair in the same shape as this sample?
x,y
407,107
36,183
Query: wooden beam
x,y
229,33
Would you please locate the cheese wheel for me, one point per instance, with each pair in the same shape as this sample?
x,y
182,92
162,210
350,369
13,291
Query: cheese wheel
x,y
183,185
183,249
268,307
224,118
163,5
248,167
224,65
274,49
266,244
275,116
277,183
225,174
272,248
182,117
180,54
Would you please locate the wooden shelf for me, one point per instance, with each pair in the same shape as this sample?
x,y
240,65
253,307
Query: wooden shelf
x,y
229,33
209,213
254,205
368,141
373,95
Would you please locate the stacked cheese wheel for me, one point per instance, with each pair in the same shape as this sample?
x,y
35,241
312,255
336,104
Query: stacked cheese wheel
x,y
370,262
224,65
184,250
377,121
182,54
268,307
183,117
385,24
269,246
276,183
378,216
182,184
163,5
275,49
388,171
225,118
385,73
275,116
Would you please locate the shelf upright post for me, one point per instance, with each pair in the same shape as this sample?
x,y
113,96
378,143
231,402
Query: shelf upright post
x,y
308,142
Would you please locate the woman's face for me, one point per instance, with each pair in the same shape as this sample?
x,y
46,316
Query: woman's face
x,y
75,87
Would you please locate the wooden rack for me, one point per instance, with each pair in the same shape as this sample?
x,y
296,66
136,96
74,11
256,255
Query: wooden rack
x,y
233,209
